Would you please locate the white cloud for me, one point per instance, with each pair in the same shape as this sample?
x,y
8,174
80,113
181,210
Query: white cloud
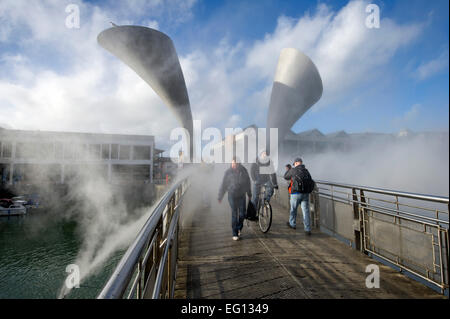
x,y
95,92
233,121
344,50
153,24
174,12
433,67
408,119
214,83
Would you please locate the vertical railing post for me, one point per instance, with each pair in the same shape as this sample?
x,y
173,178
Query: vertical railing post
x,y
316,208
176,254
362,210
149,263
169,269
448,253
158,248
441,262
357,222
138,286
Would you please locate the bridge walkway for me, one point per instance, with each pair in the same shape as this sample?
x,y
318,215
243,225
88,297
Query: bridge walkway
x,y
283,263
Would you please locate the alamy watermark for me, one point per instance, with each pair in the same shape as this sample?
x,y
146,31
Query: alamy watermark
x,y
73,279
373,19
209,146
373,280
73,19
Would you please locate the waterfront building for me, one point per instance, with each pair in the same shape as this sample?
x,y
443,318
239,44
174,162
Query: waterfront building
x,y
164,168
311,142
31,156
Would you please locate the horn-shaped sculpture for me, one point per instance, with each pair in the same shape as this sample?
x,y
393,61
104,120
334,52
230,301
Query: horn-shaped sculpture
x,y
297,86
152,55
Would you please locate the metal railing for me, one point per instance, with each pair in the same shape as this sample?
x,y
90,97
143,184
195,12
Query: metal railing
x,y
408,230
148,267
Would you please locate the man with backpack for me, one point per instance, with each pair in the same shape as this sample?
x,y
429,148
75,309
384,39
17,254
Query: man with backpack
x,y
237,183
301,185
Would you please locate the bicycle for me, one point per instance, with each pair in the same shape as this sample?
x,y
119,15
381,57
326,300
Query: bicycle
x,y
264,212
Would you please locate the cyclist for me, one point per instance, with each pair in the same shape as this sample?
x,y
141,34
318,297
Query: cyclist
x,y
262,173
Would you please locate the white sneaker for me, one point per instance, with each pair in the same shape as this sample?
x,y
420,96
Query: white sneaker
x,y
235,238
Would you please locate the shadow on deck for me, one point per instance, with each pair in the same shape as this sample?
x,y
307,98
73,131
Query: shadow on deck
x,y
283,263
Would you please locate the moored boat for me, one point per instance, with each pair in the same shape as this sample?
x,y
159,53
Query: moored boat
x,y
10,208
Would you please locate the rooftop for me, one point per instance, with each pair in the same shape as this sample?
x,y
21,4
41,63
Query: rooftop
x,y
72,135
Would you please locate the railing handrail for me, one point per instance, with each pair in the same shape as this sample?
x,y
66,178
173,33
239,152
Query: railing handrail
x,y
387,210
163,261
119,280
433,198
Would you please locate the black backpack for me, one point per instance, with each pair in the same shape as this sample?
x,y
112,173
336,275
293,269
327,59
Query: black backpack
x,y
305,184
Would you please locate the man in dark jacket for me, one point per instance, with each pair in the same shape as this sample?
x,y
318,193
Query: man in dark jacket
x,y
297,195
237,183
262,173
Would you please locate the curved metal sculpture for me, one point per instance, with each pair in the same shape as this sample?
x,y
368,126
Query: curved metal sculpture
x,y
152,55
297,86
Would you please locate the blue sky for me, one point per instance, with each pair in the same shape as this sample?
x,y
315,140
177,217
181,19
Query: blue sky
x,y
380,80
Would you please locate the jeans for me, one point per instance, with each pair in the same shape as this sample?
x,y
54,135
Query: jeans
x,y
238,210
257,189
303,200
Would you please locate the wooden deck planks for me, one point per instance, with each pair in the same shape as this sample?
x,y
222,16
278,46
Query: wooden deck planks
x,y
283,263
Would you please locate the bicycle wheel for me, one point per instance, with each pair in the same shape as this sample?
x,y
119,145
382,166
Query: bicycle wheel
x,y
265,217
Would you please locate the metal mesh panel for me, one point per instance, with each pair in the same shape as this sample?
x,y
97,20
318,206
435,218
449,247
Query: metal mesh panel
x,y
344,220
337,217
327,218
405,243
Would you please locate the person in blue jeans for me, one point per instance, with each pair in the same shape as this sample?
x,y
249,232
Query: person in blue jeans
x,y
294,175
237,183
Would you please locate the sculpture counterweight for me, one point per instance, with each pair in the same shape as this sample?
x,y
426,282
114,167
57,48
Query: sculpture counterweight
x,y
152,55
297,87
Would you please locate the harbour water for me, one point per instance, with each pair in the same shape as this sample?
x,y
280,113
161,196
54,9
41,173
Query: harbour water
x,y
34,253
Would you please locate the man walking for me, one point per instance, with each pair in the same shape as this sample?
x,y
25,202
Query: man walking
x,y
237,183
301,186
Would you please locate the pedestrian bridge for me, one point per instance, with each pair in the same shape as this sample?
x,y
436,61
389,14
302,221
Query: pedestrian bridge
x,y
186,250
